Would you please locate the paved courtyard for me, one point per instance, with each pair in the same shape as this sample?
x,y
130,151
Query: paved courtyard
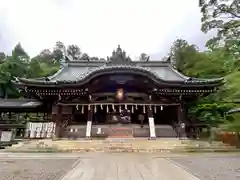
x,y
119,166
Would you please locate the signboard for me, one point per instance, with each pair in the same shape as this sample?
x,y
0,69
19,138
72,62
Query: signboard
x,y
89,127
6,136
152,127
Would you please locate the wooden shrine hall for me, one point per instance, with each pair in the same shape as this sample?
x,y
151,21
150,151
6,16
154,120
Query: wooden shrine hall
x,y
117,97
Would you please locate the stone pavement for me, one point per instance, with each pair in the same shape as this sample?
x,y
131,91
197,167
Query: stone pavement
x,y
119,166
127,167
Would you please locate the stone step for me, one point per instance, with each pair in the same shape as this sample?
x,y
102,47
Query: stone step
x,y
111,145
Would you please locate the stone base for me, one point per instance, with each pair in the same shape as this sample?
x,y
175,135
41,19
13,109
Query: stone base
x,y
87,138
152,138
54,138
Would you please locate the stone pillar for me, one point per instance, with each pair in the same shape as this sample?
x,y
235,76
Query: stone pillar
x,y
89,122
152,134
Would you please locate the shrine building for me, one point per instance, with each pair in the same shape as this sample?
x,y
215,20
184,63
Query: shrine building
x,y
116,97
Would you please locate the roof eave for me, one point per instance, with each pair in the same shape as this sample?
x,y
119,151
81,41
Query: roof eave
x,y
61,84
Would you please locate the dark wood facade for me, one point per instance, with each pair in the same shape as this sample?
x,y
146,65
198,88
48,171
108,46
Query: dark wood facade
x,y
85,91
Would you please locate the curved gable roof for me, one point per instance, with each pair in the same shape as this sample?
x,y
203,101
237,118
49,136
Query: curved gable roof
x,y
80,72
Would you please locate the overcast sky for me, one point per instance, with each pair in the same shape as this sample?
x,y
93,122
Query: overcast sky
x,y
98,26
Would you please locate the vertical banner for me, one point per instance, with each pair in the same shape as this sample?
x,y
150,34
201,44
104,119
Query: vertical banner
x,y
152,127
88,130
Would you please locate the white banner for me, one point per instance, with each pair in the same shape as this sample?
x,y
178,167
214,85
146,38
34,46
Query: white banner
x,y
6,136
152,127
88,130
48,127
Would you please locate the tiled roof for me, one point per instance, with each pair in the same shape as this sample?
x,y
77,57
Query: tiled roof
x,y
19,103
80,71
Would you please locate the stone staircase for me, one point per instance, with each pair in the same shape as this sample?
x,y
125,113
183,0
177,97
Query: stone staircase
x,y
119,145
165,131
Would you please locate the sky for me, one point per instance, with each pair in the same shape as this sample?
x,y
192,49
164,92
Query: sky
x,y
99,26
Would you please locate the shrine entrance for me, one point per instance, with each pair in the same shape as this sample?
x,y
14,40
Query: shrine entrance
x,y
120,105
134,114
118,120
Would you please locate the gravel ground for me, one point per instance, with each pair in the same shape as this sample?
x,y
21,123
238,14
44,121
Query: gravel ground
x,y
211,168
34,169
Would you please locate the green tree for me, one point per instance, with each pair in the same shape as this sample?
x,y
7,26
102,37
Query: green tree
x,y
59,51
224,17
2,56
85,56
19,51
12,67
35,69
74,52
144,57
181,54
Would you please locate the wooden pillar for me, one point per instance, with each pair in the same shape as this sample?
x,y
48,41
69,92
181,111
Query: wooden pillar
x,y
181,120
89,121
152,133
57,117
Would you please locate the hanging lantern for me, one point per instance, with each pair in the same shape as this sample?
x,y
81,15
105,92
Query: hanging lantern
x,y
77,106
95,108
101,107
82,109
150,107
120,94
150,97
144,110
161,107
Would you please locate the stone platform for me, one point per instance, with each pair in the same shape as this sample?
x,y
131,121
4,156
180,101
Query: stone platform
x,y
122,130
119,145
